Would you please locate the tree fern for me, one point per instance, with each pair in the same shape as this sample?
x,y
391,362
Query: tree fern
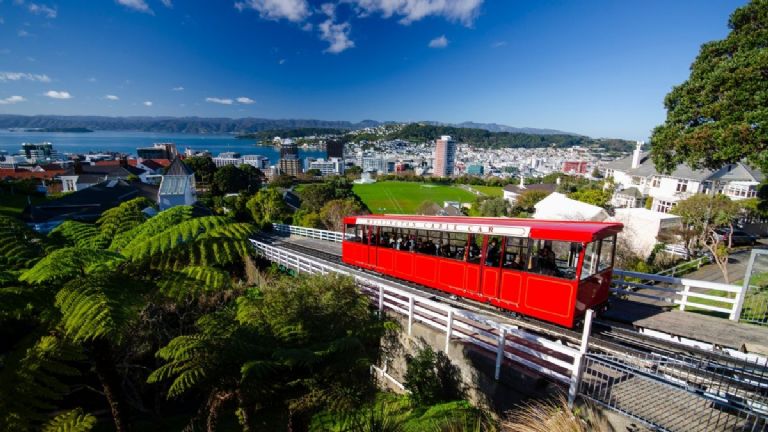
x,y
36,377
71,421
80,234
70,262
124,217
193,281
157,224
19,246
97,306
172,237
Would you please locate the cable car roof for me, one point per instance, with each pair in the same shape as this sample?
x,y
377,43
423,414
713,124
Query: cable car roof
x,y
583,231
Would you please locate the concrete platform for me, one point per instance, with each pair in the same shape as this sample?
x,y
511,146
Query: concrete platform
x,y
722,332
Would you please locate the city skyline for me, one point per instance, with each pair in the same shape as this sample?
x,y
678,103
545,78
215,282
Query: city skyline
x,y
592,68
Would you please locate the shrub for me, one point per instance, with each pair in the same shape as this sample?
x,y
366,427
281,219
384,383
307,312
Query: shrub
x,y
432,378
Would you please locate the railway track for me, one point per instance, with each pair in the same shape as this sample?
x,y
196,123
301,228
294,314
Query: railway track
x,y
691,366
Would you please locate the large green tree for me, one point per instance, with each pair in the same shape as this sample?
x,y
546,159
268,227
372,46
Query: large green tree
x,y
720,115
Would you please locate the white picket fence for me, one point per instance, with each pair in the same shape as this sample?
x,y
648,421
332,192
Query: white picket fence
x,y
681,291
314,233
547,357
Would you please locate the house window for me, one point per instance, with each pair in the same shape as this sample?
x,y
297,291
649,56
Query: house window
x,y
740,191
70,186
682,185
664,206
656,182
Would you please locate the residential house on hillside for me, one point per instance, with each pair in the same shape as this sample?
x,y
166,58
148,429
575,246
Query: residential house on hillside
x,y
557,206
86,205
513,192
82,176
637,179
177,186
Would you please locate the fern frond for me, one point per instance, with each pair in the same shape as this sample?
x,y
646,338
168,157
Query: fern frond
x,y
162,221
95,307
66,263
126,216
18,243
193,281
71,421
172,237
80,234
35,375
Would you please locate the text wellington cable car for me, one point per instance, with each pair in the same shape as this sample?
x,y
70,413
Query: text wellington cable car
x,y
550,270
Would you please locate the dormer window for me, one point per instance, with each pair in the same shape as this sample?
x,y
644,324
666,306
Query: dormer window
x,y
682,185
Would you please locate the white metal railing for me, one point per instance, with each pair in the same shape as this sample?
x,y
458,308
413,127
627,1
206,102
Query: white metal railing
x,y
685,267
314,233
547,357
681,291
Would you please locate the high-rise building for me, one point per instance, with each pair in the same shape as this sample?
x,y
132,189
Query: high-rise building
x,y
290,167
445,156
158,151
288,148
257,161
334,149
39,152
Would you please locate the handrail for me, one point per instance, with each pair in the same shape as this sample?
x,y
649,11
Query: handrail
x,y
314,233
683,292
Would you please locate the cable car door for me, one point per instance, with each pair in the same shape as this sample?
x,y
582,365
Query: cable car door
x,y
491,268
373,241
474,259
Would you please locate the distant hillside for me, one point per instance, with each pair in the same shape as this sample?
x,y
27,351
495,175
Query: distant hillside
x,y
196,125
204,125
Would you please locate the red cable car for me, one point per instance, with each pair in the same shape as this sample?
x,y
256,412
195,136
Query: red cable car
x,y
550,270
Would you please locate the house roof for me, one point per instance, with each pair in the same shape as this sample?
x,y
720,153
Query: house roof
x,y
174,184
19,173
88,204
559,207
178,168
107,170
152,164
543,187
733,172
631,192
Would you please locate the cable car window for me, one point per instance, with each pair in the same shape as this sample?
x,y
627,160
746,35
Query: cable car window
x,y
386,236
516,253
350,232
454,246
554,258
607,250
493,251
474,244
589,267
361,233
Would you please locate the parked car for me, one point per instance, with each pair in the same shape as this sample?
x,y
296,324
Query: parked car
x,y
738,238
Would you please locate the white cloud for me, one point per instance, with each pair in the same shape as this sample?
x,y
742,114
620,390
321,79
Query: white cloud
x,y
307,27
337,36
10,100
111,97
439,42
291,10
53,94
245,100
23,33
221,101
464,11
23,76
281,61
41,9
499,44
179,88
167,3
137,5
92,79
148,103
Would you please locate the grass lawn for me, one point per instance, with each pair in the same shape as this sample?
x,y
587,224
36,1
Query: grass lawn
x,y
12,205
405,197
755,306
493,191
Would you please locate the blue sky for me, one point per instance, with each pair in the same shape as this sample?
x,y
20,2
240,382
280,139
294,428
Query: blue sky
x,y
599,68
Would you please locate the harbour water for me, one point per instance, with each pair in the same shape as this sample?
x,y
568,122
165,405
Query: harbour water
x,y
128,142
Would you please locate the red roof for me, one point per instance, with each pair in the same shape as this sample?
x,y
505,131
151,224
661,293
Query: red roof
x,y
162,162
18,173
131,162
583,231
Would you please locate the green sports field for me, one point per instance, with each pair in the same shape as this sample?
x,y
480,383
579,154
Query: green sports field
x,y
492,191
405,197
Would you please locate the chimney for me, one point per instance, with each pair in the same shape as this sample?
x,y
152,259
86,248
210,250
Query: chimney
x,y
636,155
78,167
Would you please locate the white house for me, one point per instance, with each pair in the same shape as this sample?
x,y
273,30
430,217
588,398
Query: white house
x,y
637,179
557,206
644,228
177,186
